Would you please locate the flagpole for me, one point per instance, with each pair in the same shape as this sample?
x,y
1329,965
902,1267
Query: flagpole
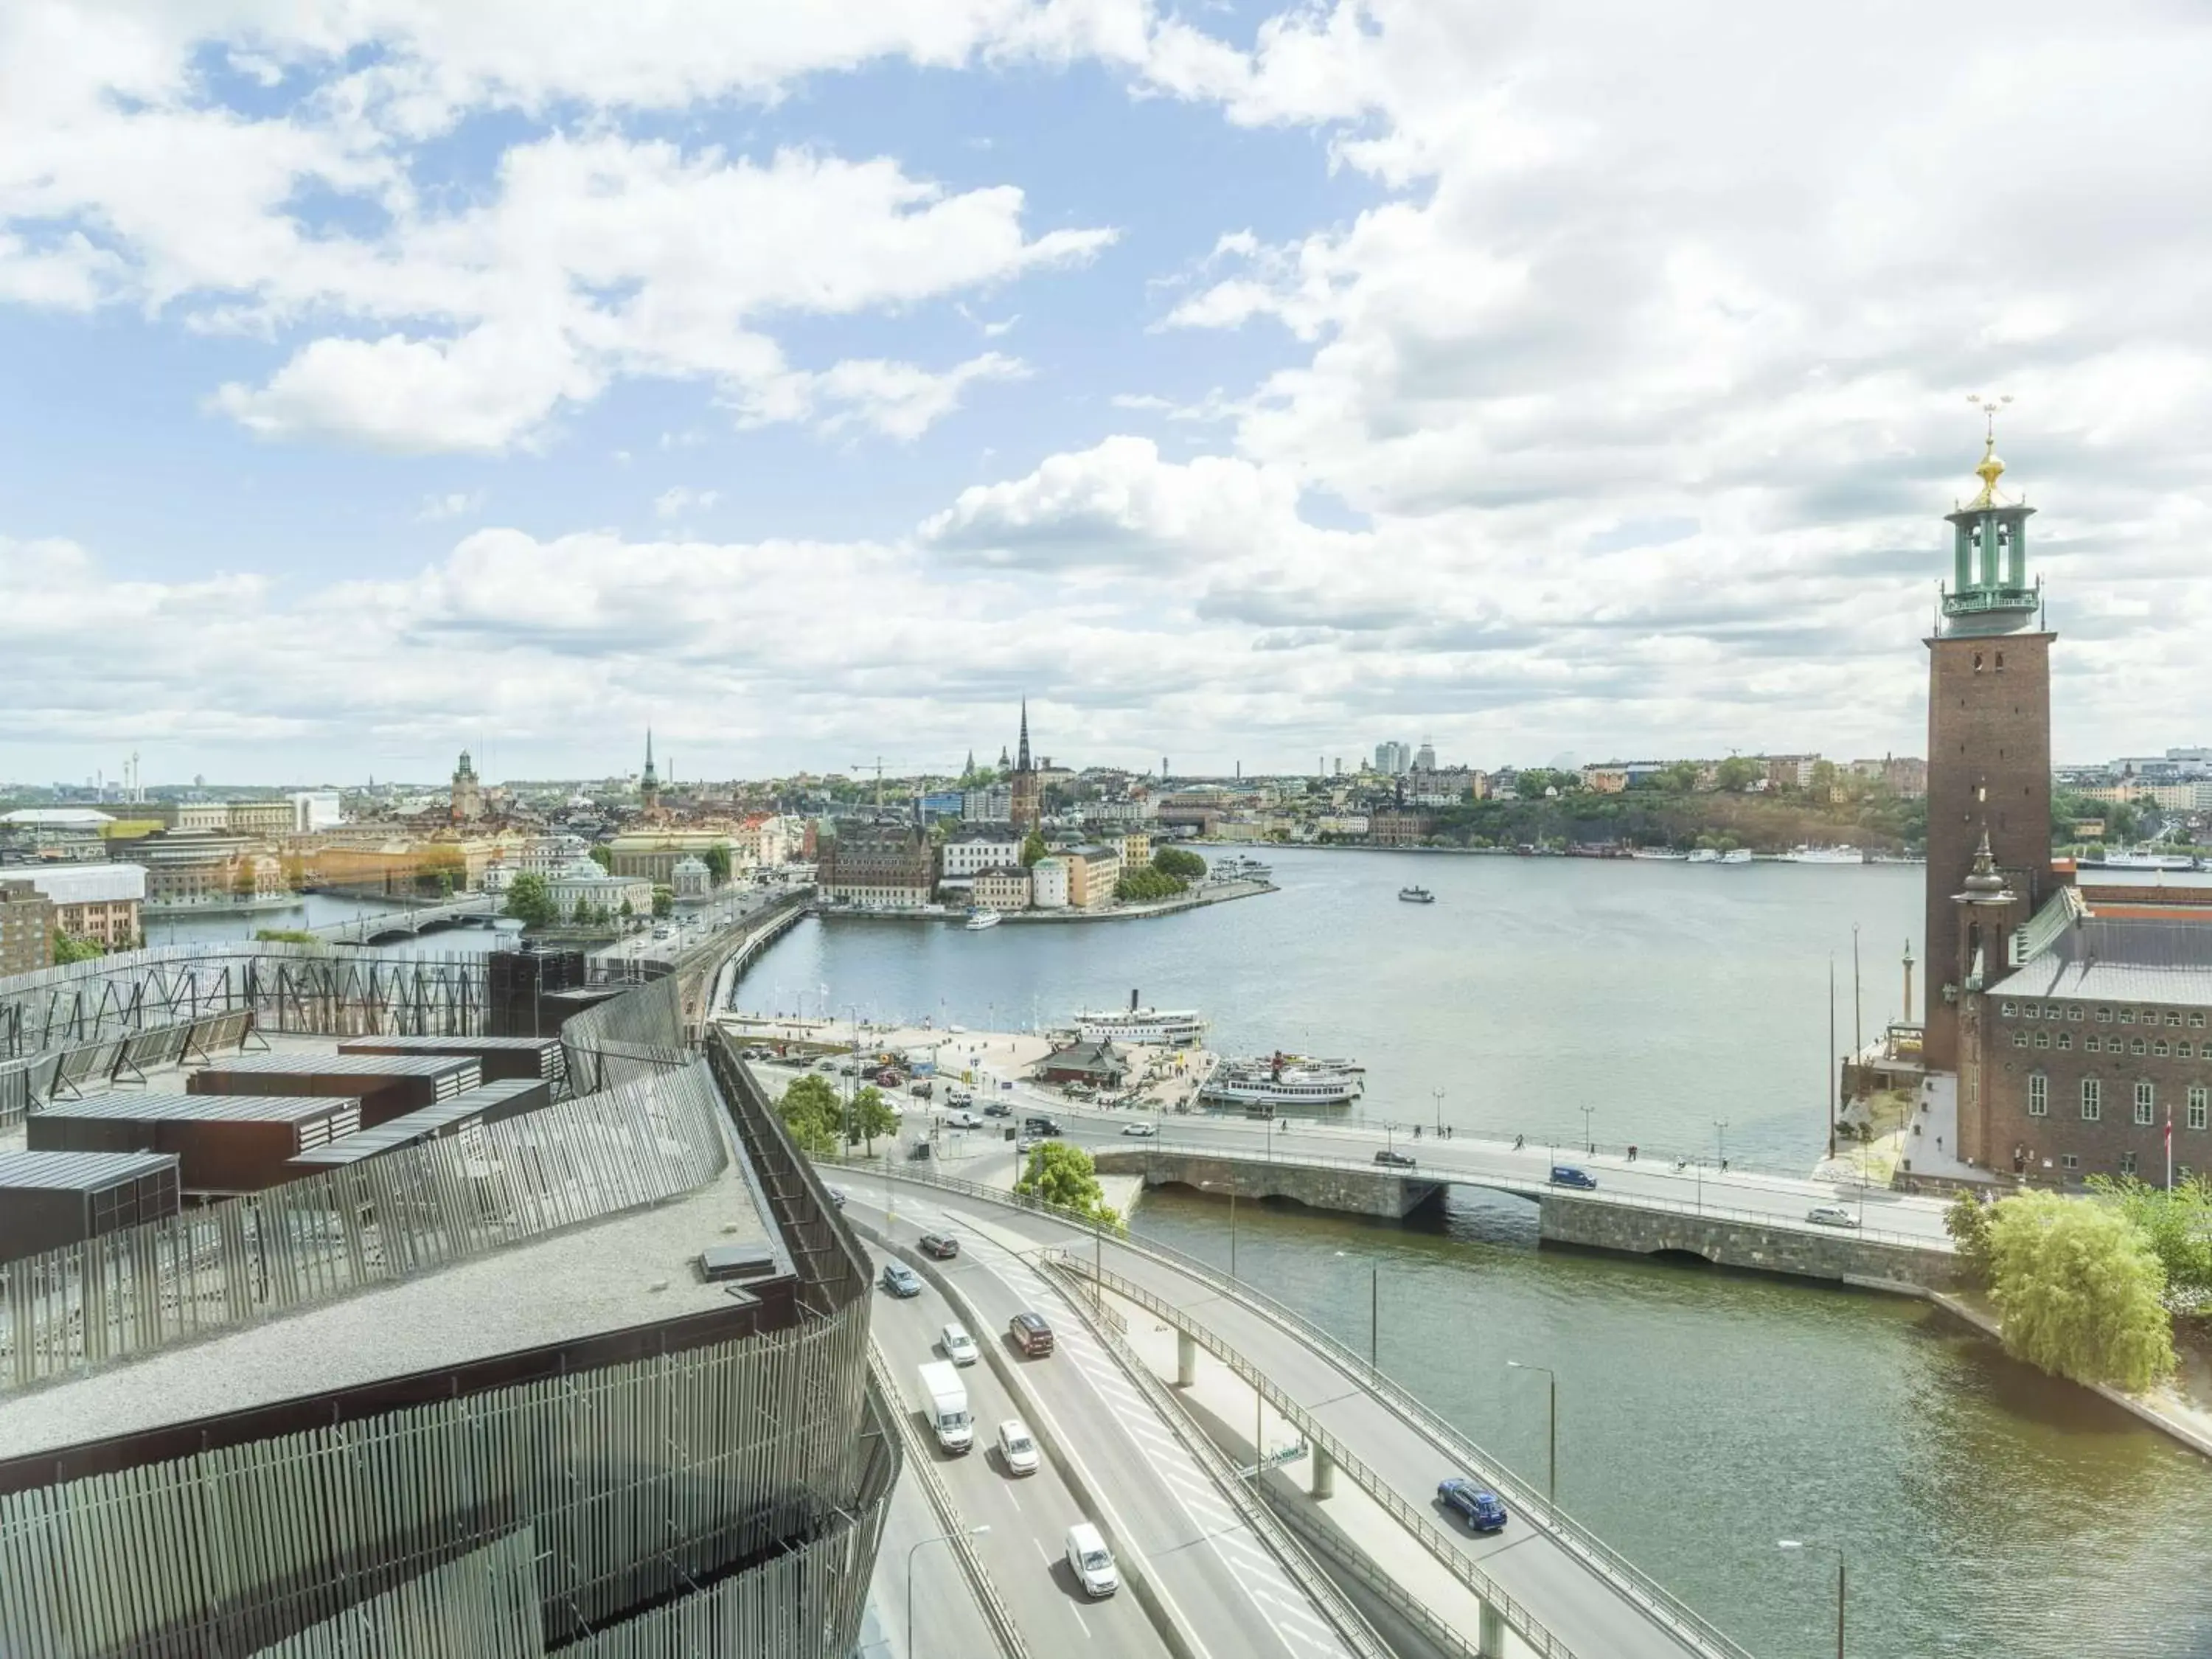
x,y
2169,1146
1833,1084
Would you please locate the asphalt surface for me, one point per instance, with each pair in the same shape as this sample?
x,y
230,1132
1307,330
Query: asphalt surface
x,y
1227,1588
1579,1605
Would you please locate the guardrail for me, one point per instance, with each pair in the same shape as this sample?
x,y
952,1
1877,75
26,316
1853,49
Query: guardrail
x,y
1244,1496
1319,1534
1640,1585
1520,1619
988,1599
1528,1187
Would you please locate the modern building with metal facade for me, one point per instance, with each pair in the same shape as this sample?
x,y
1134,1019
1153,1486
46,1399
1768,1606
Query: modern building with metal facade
x,y
470,1396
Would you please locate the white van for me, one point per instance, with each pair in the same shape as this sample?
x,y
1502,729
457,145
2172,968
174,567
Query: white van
x,y
1091,1561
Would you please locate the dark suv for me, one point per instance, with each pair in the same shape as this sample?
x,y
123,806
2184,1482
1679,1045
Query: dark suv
x,y
1481,1508
1566,1174
943,1246
1030,1334
1395,1160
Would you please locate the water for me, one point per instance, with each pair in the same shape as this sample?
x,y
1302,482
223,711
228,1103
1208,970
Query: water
x,y
1986,1508
316,910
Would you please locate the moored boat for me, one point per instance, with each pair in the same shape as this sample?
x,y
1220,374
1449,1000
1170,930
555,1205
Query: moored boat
x,y
1417,896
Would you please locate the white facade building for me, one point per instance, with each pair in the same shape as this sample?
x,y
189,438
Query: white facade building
x,y
315,809
548,855
1049,884
963,858
690,879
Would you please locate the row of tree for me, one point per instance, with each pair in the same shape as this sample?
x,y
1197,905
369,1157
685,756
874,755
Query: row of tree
x,y
2088,1288
529,900
821,1120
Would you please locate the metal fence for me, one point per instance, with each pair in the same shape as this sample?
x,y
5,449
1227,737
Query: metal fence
x,y
382,1219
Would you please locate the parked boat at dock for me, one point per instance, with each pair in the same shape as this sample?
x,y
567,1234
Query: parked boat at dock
x,y
979,920
1282,1079
1171,1027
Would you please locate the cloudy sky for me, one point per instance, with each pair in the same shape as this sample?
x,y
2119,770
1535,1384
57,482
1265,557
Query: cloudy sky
x,y
812,381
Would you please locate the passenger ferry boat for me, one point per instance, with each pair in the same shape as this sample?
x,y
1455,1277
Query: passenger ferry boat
x,y
1665,854
1240,869
1809,854
1417,896
1284,1080
979,920
1737,855
1172,1027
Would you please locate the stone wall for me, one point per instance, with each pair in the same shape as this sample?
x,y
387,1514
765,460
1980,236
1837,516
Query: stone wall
x,y
1841,1255
1357,1192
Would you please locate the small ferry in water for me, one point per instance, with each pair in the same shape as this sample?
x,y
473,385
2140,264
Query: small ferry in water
x,y
1737,855
979,920
1282,1079
1809,854
1416,896
1240,869
1172,1027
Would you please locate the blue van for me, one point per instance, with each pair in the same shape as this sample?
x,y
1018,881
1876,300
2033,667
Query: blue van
x,y
1566,1175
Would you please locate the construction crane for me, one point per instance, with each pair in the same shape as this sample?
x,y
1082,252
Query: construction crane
x,y
902,769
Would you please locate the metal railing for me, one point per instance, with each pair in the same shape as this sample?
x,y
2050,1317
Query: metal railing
x,y
1319,1534
1243,1495
1525,1186
922,1466
1631,1579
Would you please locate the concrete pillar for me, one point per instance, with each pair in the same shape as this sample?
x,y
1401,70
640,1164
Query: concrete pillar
x,y
1186,1359
1490,1633
1324,1473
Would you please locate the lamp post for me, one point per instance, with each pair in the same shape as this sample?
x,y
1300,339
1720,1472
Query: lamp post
x,y
1207,1186
1720,1141
1838,1551
1552,1474
1590,1146
1438,1095
941,1538
1374,1314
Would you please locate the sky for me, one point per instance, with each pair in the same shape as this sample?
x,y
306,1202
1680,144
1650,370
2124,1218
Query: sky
x,y
1239,384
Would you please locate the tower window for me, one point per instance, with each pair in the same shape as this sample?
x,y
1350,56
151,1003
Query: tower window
x,y
2038,1095
2146,1103
2127,1164
2093,1100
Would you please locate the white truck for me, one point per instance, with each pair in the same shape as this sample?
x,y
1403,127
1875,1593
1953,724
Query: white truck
x,y
948,1406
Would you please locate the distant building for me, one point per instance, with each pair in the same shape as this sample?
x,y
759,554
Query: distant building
x,y
266,818
1790,771
1092,874
548,855
583,889
1400,829
69,831
1049,884
27,928
1135,848
970,855
208,870
993,804
1393,759
690,879
1341,824
648,783
879,864
1098,1064
653,855
1425,758
1604,780
97,902
315,809
1002,889
468,803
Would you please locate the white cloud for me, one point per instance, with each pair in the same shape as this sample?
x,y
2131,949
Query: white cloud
x,y
674,503
454,504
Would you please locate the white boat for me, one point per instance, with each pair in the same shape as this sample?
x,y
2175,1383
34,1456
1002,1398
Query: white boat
x,y
1705,856
1174,1027
1666,854
1282,1080
1824,855
1240,869
979,920
1737,855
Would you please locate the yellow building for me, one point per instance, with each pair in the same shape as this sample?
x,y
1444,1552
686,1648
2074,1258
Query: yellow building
x,y
1092,874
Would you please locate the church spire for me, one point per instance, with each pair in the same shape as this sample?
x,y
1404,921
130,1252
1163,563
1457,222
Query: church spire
x,y
1022,755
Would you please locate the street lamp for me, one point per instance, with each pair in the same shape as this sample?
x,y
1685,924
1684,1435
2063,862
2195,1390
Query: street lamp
x,y
941,1538
1720,1141
1552,1475
1439,1096
1207,1186
1838,1551
1588,1146
1374,1316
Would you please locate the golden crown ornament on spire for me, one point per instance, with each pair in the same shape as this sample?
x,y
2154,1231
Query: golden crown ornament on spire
x,y
1992,468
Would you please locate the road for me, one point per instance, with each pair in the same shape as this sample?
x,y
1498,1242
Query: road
x,y
691,925
1231,1593
1582,1607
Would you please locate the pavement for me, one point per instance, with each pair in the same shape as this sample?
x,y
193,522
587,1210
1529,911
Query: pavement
x,y
1225,1586
1583,1608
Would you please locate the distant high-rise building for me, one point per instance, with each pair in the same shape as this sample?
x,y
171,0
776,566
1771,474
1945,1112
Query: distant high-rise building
x,y
1393,759
1425,757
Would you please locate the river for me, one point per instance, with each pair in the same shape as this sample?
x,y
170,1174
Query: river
x,y
1985,1509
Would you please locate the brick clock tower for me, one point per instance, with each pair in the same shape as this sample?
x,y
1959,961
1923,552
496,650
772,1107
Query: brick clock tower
x,y
1989,769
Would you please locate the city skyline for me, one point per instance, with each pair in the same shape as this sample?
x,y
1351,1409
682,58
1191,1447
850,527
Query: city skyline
x,y
383,387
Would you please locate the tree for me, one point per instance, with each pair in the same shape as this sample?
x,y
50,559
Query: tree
x,y
627,910
69,948
1033,849
1679,778
531,901
1065,1177
1967,1220
1179,862
1737,773
1147,886
872,1115
664,900
2081,1290
2176,1225
716,858
813,1115
603,857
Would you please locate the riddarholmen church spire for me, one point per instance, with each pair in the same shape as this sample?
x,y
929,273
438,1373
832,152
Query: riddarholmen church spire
x,y
1022,754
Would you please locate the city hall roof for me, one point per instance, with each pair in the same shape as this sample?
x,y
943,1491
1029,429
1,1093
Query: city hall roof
x,y
2120,959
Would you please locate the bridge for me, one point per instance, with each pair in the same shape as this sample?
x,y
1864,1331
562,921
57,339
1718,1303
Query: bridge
x,y
1210,1350
372,925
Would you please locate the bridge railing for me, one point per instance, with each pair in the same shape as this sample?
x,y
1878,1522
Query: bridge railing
x,y
1528,1186
1634,1581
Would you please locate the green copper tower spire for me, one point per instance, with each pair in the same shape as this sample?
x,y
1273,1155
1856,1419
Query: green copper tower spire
x,y
1989,592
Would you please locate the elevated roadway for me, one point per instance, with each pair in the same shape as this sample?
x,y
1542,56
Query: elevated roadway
x,y
1568,1593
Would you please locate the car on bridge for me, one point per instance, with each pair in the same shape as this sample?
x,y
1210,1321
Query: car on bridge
x,y
1143,1131
1029,1332
1395,1160
900,1281
1831,1215
1567,1175
943,1246
1483,1510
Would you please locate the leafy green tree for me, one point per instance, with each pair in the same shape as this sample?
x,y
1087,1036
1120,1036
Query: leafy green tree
x,y
284,935
603,857
716,858
664,900
1033,849
1737,773
814,1116
2177,1224
1147,886
1967,1220
1679,778
872,1115
2081,1290
1179,862
1065,1177
530,902
69,948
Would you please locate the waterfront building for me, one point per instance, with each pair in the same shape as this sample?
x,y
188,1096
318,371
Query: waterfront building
x,y
27,928
1399,829
1099,1064
1049,884
1002,889
966,856
467,803
1135,848
99,902
1093,872
1025,802
878,864
653,855
209,870
583,889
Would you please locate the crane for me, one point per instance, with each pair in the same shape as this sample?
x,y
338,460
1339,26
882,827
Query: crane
x,y
903,770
